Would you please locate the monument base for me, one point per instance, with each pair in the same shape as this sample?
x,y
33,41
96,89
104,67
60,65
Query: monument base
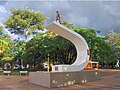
x,y
58,79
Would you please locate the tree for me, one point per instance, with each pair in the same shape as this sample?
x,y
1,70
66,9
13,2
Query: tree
x,y
19,50
60,50
6,51
3,46
25,22
68,25
89,35
6,44
3,43
1,28
100,49
63,51
114,40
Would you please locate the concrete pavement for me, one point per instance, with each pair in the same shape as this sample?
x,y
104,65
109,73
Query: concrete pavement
x,y
110,80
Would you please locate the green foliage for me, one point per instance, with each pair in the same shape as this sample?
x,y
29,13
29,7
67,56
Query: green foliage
x,y
100,50
6,45
63,51
3,46
1,28
88,34
6,59
68,25
113,39
26,22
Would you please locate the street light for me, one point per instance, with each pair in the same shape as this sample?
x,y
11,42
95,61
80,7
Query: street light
x,y
48,63
48,69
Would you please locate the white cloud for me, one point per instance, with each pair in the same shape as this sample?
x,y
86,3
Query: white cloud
x,y
2,9
12,35
1,24
112,11
3,13
84,21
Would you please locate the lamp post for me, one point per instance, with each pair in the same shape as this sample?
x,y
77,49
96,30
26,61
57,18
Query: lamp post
x,y
48,63
48,68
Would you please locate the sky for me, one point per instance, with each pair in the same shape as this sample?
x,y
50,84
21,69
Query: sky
x,y
104,16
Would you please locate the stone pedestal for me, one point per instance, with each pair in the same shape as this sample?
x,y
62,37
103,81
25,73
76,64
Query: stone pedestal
x,y
58,79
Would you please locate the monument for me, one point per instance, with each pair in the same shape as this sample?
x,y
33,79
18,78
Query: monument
x,y
64,75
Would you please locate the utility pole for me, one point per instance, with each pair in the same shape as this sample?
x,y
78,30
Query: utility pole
x,y
48,63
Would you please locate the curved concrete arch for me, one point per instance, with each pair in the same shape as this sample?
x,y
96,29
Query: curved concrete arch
x,y
80,44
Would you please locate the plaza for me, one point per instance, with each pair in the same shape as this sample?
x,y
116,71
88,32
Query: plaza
x,y
110,80
75,49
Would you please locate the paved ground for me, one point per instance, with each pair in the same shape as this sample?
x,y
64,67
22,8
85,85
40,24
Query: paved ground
x,y
109,81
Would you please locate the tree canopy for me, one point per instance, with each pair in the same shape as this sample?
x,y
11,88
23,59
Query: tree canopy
x,y
25,22
114,40
63,51
104,49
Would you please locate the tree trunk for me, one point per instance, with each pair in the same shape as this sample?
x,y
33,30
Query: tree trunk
x,y
12,65
30,68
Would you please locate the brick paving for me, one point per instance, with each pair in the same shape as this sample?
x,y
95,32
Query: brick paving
x,y
110,80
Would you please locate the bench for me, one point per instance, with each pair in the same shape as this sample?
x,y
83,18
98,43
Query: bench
x,y
6,72
23,72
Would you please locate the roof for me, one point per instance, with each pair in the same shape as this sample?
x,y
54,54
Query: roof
x,y
93,62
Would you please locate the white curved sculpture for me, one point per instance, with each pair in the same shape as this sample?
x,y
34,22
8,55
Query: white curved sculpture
x,y
80,44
